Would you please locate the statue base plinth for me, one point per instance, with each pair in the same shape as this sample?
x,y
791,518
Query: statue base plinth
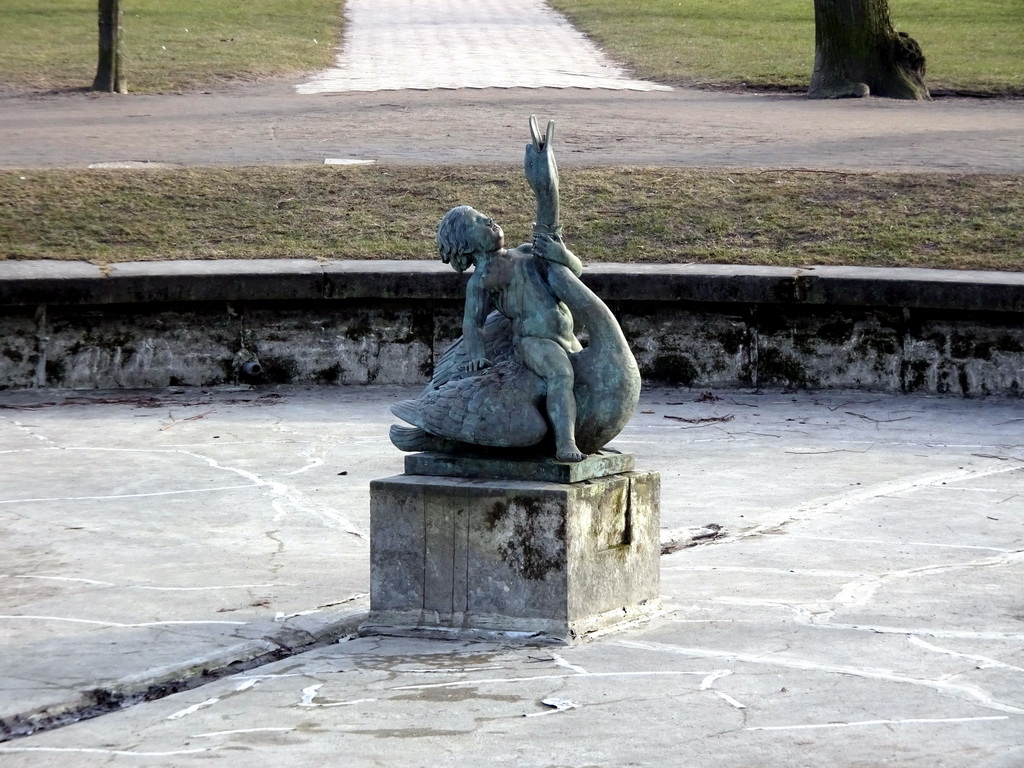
x,y
600,464
543,561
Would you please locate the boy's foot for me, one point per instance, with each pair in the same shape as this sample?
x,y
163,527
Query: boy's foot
x,y
572,454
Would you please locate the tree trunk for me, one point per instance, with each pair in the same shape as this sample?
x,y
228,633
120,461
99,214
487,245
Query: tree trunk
x,y
857,52
109,77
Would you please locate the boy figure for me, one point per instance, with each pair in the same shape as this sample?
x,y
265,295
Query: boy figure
x,y
514,283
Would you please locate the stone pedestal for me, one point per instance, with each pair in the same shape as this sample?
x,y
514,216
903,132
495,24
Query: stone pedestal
x,y
453,556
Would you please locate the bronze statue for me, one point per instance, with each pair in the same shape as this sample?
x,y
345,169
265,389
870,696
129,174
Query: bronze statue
x,y
519,377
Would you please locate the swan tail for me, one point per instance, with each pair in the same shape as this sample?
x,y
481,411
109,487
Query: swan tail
x,y
414,440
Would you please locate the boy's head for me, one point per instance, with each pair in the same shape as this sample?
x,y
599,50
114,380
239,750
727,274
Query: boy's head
x,y
464,232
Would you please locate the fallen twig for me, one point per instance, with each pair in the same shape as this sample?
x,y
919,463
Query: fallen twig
x,y
1000,458
877,421
848,404
705,420
704,535
187,418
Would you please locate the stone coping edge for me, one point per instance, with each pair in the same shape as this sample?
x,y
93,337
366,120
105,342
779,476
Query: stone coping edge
x,y
271,642
30,283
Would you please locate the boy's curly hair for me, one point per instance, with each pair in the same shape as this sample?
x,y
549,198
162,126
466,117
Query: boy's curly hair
x,y
453,234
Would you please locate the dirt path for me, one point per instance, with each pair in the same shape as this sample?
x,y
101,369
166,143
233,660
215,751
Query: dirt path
x,y
271,124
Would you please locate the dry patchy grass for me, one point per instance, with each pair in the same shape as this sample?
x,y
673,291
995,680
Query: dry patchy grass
x,y
611,214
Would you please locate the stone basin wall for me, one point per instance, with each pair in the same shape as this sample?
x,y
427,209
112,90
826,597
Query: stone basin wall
x,y
159,324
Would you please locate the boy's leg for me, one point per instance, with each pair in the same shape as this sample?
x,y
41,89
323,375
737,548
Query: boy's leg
x,y
548,360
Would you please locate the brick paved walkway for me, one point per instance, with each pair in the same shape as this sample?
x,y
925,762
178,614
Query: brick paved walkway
x,y
427,44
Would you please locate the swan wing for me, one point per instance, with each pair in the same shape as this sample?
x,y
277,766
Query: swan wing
x,y
497,348
498,407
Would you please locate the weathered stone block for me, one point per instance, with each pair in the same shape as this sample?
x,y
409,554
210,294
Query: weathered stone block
x,y
453,556
688,347
133,347
342,345
19,350
601,464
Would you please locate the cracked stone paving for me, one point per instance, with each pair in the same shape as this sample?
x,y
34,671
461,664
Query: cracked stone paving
x,y
842,584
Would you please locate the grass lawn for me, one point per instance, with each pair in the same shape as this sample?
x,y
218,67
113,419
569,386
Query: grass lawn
x,y
611,214
169,44
970,45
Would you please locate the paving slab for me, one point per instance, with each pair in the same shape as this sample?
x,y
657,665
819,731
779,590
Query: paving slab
x,y
842,581
393,45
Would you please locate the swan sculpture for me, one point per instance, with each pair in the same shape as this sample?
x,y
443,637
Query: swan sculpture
x,y
519,378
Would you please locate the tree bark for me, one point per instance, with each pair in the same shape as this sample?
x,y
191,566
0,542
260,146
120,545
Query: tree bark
x,y
857,52
109,76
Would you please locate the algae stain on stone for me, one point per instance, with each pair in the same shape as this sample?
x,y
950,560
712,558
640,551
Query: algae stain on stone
x,y
533,542
672,369
774,366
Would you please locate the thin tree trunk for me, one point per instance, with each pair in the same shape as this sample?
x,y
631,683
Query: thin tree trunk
x,y
109,76
857,52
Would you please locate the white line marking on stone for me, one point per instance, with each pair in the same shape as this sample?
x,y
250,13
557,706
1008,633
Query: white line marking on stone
x,y
560,661
752,569
908,721
730,700
560,705
502,680
313,464
708,681
126,495
30,433
329,516
124,752
895,543
119,624
142,586
240,730
326,514
204,589
946,634
194,708
961,690
817,616
281,616
63,578
310,693
347,161
251,682
715,621
280,513
400,44
985,661
460,670
861,496
860,592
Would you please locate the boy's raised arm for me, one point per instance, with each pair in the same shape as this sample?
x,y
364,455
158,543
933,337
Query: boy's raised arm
x,y
550,249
